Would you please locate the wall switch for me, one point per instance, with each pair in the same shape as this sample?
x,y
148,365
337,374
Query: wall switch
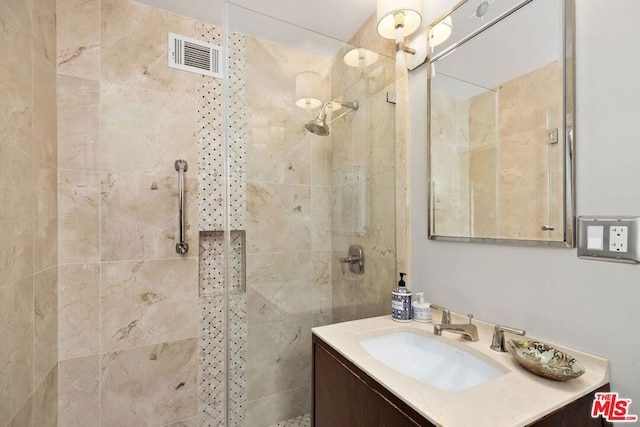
x,y
608,238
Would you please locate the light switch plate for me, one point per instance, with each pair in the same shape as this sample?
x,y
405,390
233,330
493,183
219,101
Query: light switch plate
x,y
620,238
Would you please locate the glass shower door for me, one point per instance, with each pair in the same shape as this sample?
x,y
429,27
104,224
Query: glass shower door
x,y
294,201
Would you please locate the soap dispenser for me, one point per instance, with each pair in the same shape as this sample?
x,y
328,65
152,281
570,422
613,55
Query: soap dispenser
x,y
401,302
421,311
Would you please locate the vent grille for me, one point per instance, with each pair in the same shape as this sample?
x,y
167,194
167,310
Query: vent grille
x,y
194,56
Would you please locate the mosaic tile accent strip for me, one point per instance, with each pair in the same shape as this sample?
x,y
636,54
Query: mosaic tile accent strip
x,y
301,421
210,145
212,263
237,359
212,365
237,128
211,151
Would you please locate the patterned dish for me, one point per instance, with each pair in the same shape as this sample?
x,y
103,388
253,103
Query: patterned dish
x,y
544,360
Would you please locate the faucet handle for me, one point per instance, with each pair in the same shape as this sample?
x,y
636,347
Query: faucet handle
x,y
470,316
497,343
446,315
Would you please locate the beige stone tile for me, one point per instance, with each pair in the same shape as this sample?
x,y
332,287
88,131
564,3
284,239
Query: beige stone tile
x,y
45,401
140,214
278,154
16,217
134,46
16,75
321,292
278,357
279,287
16,352
44,80
79,392
79,314
145,131
78,35
46,216
278,217
150,386
320,218
45,310
79,123
321,161
192,422
24,417
148,302
269,302
272,409
79,220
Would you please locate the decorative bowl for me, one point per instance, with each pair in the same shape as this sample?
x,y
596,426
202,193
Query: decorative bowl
x,y
544,360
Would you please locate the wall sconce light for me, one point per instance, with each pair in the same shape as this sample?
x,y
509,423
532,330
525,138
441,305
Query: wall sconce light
x,y
398,19
440,32
308,90
360,57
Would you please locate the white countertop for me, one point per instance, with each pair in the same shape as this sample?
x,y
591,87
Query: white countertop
x,y
516,398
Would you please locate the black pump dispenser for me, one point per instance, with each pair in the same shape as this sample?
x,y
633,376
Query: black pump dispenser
x,y
401,301
401,282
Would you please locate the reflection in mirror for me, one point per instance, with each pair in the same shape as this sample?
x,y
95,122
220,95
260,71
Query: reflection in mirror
x,y
498,124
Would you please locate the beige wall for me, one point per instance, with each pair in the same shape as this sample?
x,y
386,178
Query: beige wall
x,y
28,217
128,303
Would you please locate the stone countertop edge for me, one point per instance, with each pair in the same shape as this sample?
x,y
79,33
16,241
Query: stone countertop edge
x,y
516,398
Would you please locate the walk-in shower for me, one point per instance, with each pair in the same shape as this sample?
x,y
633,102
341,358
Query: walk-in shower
x,y
319,125
285,211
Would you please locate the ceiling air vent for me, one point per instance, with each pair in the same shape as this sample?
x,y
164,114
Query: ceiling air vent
x,y
194,56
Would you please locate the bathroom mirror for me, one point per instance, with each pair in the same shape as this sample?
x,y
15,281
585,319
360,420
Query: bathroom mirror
x,y
500,117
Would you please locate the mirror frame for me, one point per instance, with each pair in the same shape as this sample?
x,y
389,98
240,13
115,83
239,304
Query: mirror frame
x,y
568,96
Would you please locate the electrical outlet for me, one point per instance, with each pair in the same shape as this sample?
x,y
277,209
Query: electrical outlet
x,y
618,238
609,238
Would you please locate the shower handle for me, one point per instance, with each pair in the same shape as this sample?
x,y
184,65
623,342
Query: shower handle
x,y
354,259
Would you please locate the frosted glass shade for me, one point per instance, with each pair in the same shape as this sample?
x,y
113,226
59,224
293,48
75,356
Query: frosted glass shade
x,y
411,11
360,57
440,32
308,90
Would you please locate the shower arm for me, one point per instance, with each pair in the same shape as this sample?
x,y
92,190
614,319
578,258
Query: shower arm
x,y
354,105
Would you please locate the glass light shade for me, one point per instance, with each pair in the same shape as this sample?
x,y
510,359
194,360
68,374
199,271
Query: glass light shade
x,y
412,16
308,90
440,32
360,57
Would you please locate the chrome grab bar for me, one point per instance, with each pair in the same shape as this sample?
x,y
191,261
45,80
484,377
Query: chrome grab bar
x,y
182,247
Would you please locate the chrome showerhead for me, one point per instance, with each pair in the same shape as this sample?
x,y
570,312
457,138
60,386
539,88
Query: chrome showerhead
x,y
319,125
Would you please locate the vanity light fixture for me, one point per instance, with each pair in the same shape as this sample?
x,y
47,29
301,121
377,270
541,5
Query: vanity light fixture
x,y
440,32
308,90
360,57
398,19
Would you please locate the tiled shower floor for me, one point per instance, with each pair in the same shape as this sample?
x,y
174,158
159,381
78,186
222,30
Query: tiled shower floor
x,y
301,421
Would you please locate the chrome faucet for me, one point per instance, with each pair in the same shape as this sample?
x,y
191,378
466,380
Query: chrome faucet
x,y
497,343
469,331
446,315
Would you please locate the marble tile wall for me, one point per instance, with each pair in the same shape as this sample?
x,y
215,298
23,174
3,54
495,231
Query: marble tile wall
x,y
525,202
288,234
366,140
128,303
29,216
450,145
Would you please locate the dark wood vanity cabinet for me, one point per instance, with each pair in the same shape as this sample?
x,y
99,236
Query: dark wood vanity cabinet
x,y
345,396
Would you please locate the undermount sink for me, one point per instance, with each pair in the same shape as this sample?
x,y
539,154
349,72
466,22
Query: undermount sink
x,y
430,360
